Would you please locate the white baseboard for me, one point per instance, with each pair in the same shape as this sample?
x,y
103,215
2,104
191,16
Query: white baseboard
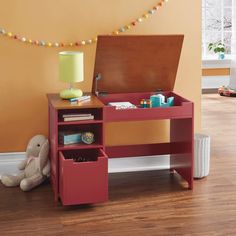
x,y
9,162
132,164
209,82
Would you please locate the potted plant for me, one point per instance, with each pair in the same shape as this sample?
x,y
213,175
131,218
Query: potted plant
x,y
218,48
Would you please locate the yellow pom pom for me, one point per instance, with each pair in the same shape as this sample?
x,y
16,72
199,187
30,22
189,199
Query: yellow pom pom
x,y
95,40
30,41
49,44
83,42
9,34
145,16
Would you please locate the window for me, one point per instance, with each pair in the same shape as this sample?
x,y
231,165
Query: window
x,y
216,24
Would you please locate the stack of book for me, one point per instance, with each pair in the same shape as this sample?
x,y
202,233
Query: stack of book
x,y
122,105
77,117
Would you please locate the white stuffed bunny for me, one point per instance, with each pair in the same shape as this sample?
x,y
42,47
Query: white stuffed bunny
x,y
34,169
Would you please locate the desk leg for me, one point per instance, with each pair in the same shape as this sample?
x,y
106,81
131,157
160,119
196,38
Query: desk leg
x,y
53,142
181,158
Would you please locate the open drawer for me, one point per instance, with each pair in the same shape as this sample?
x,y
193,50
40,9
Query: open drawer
x,y
83,176
182,108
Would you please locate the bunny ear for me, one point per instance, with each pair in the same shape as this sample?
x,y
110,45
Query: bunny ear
x,y
29,149
43,155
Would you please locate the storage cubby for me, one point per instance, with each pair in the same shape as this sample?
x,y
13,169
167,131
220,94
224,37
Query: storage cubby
x,y
135,98
96,129
96,112
83,182
182,107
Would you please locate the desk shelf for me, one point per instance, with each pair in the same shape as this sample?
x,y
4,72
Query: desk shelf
x,y
80,122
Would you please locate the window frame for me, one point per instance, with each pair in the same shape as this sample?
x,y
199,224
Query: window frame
x,y
206,56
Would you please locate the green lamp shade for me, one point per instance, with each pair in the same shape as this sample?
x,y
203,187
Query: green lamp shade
x,y
71,70
71,67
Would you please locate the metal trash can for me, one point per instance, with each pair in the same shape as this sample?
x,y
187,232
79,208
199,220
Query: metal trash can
x,y
201,155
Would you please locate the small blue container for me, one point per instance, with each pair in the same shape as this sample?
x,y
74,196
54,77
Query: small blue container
x,y
159,101
156,101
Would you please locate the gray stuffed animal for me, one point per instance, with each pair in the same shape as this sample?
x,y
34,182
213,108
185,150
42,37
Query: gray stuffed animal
x,y
34,169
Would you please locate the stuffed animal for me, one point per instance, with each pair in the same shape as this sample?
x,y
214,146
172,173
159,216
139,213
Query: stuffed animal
x,y
34,169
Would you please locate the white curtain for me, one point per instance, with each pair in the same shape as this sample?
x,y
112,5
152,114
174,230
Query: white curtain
x,y
232,83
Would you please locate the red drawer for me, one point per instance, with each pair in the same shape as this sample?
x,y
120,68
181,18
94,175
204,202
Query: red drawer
x,y
83,182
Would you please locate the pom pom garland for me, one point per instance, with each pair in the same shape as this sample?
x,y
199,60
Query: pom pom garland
x,y
80,43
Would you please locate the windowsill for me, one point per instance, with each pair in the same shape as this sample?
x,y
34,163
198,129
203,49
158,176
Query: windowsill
x,y
213,62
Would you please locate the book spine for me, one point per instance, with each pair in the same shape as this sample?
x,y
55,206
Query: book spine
x,y
76,114
78,118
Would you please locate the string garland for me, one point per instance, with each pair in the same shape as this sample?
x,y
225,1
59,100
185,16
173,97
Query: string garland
x,y
80,43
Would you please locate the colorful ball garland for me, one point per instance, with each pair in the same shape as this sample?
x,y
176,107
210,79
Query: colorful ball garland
x,y
80,43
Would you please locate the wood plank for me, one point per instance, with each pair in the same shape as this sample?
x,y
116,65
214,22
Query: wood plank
x,y
216,72
138,150
143,203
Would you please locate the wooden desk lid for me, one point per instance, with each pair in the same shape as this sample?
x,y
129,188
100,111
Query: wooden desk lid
x,y
137,63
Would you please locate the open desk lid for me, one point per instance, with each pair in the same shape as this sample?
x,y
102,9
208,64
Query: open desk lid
x,y
136,63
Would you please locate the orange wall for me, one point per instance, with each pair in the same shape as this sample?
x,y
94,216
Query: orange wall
x,y
28,72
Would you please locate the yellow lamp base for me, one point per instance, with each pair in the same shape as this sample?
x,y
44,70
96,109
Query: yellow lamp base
x,y
71,93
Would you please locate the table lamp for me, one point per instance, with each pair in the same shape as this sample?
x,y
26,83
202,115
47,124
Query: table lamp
x,y
71,70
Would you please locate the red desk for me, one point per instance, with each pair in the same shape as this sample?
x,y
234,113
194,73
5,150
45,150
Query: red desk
x,y
124,75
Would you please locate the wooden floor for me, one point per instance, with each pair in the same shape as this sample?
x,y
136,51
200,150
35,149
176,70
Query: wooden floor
x,y
150,203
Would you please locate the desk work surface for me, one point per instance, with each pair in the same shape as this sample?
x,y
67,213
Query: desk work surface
x,y
58,103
